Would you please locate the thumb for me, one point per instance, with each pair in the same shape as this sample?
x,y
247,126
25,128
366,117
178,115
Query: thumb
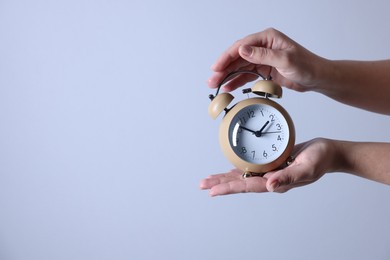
x,y
259,55
282,180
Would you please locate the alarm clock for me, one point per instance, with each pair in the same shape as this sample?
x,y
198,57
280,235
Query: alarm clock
x,y
256,135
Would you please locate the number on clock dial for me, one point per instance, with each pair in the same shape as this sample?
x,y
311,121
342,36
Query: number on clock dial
x,y
258,133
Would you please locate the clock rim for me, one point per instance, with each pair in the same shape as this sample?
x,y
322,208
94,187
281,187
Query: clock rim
x,y
239,162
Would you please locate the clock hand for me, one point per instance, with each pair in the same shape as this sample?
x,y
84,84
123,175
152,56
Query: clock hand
x,y
258,133
247,129
276,132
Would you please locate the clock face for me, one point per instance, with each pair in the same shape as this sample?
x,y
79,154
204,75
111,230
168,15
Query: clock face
x,y
258,134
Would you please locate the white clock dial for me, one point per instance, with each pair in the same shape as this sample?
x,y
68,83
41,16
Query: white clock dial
x,y
258,134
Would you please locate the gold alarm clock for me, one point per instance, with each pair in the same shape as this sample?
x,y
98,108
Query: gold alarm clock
x,y
256,135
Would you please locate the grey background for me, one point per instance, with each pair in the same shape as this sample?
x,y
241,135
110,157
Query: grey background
x,y
104,133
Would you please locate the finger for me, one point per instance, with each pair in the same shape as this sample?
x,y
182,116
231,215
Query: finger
x,y
239,81
293,176
280,178
215,80
227,57
264,38
217,179
240,64
260,55
295,158
253,184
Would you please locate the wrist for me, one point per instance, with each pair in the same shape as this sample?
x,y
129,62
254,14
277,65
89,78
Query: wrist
x,y
326,74
340,162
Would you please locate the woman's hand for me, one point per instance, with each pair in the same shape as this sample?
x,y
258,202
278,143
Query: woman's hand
x,y
293,66
312,160
271,53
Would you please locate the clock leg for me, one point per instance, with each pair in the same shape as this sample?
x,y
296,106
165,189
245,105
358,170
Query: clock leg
x,y
248,174
290,160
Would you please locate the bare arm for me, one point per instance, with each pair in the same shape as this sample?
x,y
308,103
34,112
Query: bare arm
x,y
367,160
363,84
313,159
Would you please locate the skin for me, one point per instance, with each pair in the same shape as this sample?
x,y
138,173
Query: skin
x,y
270,52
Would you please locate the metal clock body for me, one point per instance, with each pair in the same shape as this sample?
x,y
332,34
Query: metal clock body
x,y
256,135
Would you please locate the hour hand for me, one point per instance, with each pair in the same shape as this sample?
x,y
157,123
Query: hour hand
x,y
258,133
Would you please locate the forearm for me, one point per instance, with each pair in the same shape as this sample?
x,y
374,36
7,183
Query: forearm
x,y
363,84
364,159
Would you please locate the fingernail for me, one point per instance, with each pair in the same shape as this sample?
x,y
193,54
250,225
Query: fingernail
x,y
274,185
246,50
210,83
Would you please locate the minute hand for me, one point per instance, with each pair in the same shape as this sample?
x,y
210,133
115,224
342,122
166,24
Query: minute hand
x,y
258,133
247,129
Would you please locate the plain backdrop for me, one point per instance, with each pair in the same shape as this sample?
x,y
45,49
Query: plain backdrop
x,y
104,133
